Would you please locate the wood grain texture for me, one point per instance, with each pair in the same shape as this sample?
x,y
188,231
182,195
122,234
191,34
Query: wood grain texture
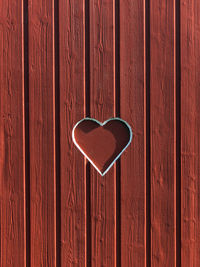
x,y
132,97
190,133
42,133
12,174
102,88
72,87
163,133
64,60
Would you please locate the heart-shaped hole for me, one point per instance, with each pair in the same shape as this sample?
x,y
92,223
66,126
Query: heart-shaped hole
x,y
102,143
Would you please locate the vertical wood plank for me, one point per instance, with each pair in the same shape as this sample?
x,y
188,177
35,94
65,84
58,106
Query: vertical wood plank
x,y
103,189
163,133
190,133
72,85
132,109
12,174
42,133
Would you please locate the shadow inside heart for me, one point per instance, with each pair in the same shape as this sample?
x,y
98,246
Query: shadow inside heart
x,y
102,144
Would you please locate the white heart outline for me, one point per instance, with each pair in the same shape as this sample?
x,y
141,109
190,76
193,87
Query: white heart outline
x,y
102,124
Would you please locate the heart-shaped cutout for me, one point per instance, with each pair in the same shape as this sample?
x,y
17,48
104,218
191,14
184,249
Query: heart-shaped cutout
x,y
102,143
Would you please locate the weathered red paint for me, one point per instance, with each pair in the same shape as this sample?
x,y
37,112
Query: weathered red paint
x,y
64,60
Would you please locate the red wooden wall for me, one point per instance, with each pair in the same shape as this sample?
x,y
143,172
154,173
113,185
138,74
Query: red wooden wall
x,y
62,60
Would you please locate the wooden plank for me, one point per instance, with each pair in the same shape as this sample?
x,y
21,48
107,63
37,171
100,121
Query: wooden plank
x,y
12,216
163,133
103,189
132,109
72,84
42,134
190,133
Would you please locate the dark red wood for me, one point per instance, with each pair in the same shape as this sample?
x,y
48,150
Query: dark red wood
x,y
42,134
12,144
132,109
62,61
163,133
190,134
72,87
102,86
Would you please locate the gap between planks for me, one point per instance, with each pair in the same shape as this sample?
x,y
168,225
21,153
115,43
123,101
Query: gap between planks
x,y
87,114
177,127
117,172
57,185
26,131
147,136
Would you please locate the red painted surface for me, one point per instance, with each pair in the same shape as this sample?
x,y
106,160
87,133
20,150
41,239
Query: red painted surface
x,y
163,129
42,133
65,60
190,134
